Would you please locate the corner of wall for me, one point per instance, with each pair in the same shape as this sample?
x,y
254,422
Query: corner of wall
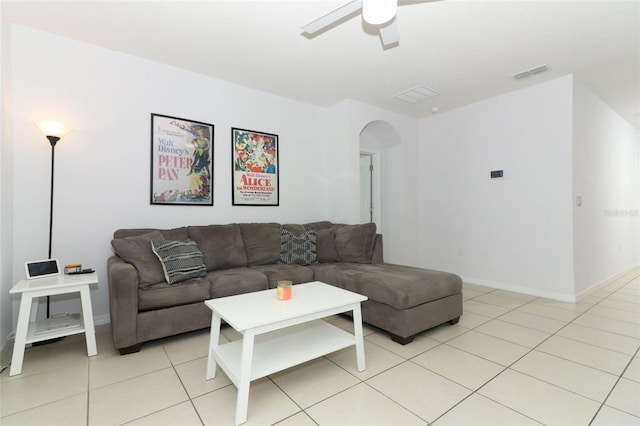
x,y
606,191
6,183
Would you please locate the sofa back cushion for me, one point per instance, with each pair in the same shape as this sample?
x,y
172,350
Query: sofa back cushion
x,y
177,234
325,240
133,245
326,245
377,250
354,243
136,250
222,246
262,242
316,226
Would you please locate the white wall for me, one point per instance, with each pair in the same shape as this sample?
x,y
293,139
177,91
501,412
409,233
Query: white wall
x,y
6,182
606,176
342,177
399,175
514,232
102,166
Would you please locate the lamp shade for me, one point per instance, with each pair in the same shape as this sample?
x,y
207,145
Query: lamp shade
x,y
378,12
53,128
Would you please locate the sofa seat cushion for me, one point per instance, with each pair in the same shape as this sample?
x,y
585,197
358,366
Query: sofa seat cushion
x,y
164,295
400,287
229,282
295,273
222,246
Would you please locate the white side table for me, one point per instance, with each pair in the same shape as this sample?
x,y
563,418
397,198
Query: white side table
x,y
29,330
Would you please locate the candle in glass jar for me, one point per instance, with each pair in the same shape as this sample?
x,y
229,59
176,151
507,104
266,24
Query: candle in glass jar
x,y
284,290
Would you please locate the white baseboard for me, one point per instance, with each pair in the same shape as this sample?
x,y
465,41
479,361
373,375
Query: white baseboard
x,y
606,282
563,297
7,351
102,319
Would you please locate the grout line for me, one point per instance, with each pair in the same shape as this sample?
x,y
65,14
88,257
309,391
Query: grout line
x,y
88,412
302,410
534,348
396,402
613,388
499,374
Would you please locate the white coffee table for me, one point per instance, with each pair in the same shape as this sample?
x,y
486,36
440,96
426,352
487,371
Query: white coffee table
x,y
278,334
31,330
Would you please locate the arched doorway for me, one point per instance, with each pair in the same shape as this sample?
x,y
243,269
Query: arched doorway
x,y
375,138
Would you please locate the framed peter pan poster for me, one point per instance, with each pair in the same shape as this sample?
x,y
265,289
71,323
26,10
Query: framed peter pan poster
x,y
181,161
254,168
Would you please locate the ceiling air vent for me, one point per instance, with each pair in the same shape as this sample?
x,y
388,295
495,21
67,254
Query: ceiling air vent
x,y
532,71
417,94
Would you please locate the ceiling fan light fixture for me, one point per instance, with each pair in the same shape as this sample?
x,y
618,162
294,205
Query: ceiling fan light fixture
x,y
378,12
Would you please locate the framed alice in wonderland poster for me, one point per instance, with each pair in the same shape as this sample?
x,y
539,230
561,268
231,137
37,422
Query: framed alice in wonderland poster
x,y
181,161
254,168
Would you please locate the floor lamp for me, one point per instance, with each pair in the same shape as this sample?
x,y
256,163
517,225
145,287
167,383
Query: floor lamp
x,y
53,130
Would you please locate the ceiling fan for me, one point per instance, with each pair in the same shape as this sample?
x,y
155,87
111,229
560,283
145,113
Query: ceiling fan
x,y
380,13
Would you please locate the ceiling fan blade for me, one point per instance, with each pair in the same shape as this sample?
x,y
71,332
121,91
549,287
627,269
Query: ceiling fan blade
x,y
389,34
332,17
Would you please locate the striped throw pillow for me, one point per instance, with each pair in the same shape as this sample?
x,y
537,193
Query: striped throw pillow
x,y
181,260
298,249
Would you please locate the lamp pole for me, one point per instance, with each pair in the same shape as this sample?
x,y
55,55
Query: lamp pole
x,y
53,130
53,140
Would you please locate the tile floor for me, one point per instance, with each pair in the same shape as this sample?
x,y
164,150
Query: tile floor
x,y
513,359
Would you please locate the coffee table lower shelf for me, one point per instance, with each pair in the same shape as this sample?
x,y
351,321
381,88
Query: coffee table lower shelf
x,y
281,349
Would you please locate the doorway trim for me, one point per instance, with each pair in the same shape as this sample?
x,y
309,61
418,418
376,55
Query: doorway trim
x,y
376,192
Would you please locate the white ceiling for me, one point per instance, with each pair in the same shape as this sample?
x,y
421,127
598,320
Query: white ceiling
x,y
465,50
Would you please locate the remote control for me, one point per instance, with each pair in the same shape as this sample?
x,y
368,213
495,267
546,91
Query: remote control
x,y
84,271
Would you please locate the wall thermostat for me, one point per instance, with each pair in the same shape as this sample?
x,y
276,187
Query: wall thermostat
x,y
496,174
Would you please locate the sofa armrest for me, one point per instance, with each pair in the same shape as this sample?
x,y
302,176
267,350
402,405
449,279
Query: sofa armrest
x,y
123,302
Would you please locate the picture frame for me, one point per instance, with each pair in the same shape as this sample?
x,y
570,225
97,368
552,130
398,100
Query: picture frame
x,y
255,168
181,161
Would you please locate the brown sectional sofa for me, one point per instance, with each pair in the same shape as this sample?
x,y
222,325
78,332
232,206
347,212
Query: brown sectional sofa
x,y
246,257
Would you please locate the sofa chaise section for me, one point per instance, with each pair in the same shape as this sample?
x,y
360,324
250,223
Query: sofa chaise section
x,y
402,300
